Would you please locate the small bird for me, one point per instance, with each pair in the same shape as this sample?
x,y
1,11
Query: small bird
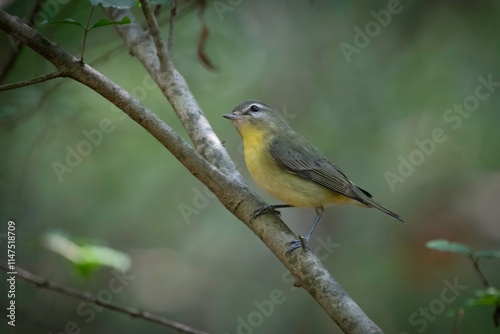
x,y
291,169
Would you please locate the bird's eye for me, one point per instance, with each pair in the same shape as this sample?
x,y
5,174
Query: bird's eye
x,y
254,108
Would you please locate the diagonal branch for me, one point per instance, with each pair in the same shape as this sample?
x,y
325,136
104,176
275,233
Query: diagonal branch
x,y
229,189
25,83
88,297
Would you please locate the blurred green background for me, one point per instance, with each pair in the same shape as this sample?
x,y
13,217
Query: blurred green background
x,y
365,111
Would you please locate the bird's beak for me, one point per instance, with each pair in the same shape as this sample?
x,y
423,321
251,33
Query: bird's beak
x,y
232,116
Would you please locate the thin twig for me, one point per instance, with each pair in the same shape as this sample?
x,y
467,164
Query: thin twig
x,y
12,58
15,119
25,83
496,312
88,297
173,13
475,262
179,12
155,32
86,32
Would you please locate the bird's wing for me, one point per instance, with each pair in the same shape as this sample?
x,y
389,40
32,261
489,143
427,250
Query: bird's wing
x,y
299,157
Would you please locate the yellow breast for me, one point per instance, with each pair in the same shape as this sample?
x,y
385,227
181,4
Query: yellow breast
x,y
285,186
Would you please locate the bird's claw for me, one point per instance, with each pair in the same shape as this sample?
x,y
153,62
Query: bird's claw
x,y
264,210
303,243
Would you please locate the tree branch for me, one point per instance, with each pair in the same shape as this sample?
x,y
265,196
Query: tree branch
x,y
161,50
225,182
173,14
42,78
176,90
88,297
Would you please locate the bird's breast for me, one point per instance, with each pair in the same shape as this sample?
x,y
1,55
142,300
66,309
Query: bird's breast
x,y
279,183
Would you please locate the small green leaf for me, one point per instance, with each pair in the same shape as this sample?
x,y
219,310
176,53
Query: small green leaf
x,y
490,296
490,291
87,257
487,254
484,300
85,269
104,256
65,21
446,246
106,22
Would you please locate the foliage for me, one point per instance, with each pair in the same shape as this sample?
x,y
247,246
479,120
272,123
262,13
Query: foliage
x,y
487,296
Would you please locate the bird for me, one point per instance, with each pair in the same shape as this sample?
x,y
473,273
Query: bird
x,y
288,167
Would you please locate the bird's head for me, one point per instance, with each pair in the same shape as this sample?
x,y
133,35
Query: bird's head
x,y
255,115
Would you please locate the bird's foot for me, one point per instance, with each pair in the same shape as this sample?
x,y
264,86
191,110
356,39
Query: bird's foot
x,y
263,210
295,244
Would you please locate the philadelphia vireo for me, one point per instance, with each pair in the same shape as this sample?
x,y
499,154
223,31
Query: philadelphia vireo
x,y
289,168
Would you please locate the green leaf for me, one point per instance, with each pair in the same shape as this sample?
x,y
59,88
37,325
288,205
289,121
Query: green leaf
x,y
490,296
105,256
446,246
484,300
122,4
88,257
66,21
106,22
490,291
487,254
85,269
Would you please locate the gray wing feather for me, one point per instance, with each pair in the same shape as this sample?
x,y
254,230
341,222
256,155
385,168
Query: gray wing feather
x,y
301,158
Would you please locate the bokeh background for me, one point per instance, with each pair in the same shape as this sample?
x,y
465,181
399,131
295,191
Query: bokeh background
x,y
191,260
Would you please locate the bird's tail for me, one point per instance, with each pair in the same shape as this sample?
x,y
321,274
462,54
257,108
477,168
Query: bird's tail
x,y
366,199
373,204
